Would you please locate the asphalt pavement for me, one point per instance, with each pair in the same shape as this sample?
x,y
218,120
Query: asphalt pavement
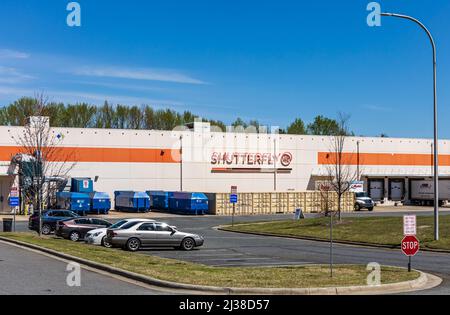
x,y
30,273
233,249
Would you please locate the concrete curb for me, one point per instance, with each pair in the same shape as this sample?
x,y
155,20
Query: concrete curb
x,y
425,281
306,238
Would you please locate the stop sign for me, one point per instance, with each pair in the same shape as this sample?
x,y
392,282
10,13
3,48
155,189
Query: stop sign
x,y
410,245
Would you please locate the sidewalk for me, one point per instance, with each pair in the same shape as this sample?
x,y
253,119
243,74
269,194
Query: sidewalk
x,y
381,208
19,218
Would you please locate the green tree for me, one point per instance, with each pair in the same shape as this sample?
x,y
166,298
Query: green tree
x,y
106,117
149,118
323,126
135,118
17,112
297,127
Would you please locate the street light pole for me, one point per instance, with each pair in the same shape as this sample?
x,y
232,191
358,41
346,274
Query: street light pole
x,y
357,161
275,170
435,118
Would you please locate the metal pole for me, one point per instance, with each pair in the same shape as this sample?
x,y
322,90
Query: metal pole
x,y
14,219
275,170
409,264
331,244
232,217
435,120
357,160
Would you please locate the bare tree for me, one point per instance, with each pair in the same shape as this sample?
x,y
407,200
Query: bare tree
x,y
41,158
327,197
339,168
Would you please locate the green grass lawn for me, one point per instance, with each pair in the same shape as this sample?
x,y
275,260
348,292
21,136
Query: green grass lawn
x,y
190,273
374,230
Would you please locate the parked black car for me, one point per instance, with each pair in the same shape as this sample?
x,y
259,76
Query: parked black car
x,y
49,219
76,229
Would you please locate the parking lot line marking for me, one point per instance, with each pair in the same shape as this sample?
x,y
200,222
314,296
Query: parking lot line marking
x,y
235,259
210,255
263,264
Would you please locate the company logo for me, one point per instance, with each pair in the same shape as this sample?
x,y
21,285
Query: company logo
x,y
251,162
262,159
286,159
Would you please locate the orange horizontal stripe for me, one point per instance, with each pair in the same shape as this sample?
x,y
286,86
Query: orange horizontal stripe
x,y
325,158
118,155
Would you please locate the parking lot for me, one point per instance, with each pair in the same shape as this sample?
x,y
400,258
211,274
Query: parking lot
x,y
232,249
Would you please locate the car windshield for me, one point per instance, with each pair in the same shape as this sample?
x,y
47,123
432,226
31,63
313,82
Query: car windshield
x,y
361,194
118,224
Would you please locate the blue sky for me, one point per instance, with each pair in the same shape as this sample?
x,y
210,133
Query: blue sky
x,y
266,60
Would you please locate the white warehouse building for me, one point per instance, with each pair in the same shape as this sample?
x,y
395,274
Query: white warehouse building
x,y
211,162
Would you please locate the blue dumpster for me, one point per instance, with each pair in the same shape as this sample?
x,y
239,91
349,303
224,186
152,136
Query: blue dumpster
x,y
82,185
76,202
188,203
100,202
159,200
131,201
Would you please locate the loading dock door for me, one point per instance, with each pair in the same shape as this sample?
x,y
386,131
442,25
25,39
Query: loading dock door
x,y
397,191
376,190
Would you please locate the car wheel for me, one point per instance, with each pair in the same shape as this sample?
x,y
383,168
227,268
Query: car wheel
x,y
357,207
370,209
74,236
105,243
46,229
133,244
187,244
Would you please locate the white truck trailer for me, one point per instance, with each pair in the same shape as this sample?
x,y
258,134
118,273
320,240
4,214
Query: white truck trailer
x,y
422,191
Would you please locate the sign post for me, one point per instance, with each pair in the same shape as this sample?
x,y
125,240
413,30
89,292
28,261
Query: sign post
x,y
410,243
233,200
14,201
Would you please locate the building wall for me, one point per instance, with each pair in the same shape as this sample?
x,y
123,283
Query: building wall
x,y
149,160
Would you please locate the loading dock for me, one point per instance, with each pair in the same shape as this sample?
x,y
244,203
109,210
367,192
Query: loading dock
x,y
396,189
376,189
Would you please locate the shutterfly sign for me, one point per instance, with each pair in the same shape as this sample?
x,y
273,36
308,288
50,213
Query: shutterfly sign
x,y
251,162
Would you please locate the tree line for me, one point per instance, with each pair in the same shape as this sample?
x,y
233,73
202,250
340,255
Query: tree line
x,y
83,115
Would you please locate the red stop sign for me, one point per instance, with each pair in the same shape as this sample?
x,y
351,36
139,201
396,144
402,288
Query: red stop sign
x,y
410,245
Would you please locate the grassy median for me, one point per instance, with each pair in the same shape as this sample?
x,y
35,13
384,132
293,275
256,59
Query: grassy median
x,y
191,273
371,230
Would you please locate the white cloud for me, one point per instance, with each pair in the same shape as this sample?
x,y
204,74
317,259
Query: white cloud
x,y
99,98
138,74
78,97
13,54
120,86
12,75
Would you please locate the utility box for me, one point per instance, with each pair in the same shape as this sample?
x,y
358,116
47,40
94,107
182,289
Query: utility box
x,y
131,201
159,200
82,185
188,203
100,202
73,201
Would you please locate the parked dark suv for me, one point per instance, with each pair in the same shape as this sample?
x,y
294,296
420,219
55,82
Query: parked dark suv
x,y
49,219
76,229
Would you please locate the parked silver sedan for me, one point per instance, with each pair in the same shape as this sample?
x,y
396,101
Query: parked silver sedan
x,y
136,235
